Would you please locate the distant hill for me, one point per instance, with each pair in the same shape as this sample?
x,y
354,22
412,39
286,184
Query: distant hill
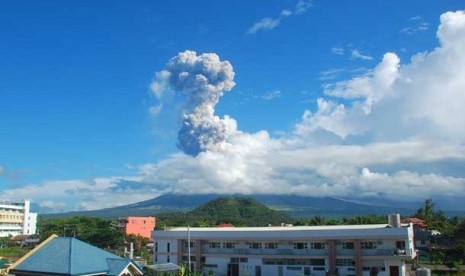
x,y
237,211
296,206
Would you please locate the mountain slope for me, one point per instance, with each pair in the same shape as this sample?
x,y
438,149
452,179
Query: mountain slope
x,y
238,211
297,206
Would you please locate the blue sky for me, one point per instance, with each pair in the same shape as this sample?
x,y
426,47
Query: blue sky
x,y
75,99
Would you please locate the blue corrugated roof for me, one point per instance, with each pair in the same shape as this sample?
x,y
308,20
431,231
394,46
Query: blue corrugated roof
x,y
117,265
71,256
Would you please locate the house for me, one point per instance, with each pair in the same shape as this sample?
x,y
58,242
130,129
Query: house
x,y
16,219
422,236
69,256
142,226
366,250
418,224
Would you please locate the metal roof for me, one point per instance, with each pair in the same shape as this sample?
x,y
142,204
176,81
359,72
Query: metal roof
x,y
70,256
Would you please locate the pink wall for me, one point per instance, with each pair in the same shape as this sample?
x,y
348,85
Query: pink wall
x,y
139,226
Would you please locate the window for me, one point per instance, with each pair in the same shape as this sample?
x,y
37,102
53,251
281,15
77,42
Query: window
x,y
255,245
300,245
234,260
347,245
155,245
168,247
271,245
345,262
210,265
229,245
192,244
186,259
214,245
244,260
318,262
168,258
317,245
369,245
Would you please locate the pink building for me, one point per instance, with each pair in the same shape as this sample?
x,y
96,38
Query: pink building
x,y
137,225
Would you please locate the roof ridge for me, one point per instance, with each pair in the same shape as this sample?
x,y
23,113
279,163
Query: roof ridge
x,y
28,254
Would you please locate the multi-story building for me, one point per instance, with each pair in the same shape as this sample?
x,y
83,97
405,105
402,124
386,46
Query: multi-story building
x,y
283,251
142,226
16,219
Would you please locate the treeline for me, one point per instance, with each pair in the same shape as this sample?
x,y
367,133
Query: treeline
x,y
239,212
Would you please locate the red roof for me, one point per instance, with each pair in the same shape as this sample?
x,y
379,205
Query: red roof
x,y
225,225
416,221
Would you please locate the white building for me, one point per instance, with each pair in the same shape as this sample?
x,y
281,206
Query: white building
x,y
284,251
16,219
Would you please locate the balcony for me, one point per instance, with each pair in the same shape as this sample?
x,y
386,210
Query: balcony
x,y
345,252
384,252
261,251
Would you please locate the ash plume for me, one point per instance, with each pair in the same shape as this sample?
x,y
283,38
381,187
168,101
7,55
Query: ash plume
x,y
201,80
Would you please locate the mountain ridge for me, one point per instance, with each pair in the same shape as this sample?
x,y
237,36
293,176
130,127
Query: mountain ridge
x,y
295,205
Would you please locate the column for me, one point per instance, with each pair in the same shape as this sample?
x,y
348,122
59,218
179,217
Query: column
x,y
179,252
198,255
358,257
332,257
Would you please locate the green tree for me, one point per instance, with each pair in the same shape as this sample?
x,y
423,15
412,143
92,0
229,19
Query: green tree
x,y
317,220
96,231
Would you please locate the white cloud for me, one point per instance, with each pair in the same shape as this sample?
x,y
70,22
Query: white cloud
x,y
302,6
329,74
422,98
286,13
271,95
155,110
265,24
355,54
269,23
338,51
417,24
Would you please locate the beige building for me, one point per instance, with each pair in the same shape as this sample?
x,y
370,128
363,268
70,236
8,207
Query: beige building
x,y
16,219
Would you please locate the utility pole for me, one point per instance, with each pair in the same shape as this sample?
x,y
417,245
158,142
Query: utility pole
x,y
189,247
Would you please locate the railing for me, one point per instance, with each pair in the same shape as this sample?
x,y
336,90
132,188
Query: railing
x,y
384,252
262,251
345,252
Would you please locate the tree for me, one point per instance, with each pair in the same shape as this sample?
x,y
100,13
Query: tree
x,y
317,220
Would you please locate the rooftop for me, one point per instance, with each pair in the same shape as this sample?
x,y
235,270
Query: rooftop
x,y
281,228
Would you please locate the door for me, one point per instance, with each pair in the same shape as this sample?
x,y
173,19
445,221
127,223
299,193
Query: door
x,y
233,269
393,270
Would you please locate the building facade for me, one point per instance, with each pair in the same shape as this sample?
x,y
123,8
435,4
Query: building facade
x,y
142,226
284,251
16,219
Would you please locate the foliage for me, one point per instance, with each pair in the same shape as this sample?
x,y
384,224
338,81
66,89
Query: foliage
x,y
12,251
237,211
96,231
436,220
449,247
319,220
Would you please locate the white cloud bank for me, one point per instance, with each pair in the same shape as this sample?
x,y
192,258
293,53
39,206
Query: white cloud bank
x,y
389,133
